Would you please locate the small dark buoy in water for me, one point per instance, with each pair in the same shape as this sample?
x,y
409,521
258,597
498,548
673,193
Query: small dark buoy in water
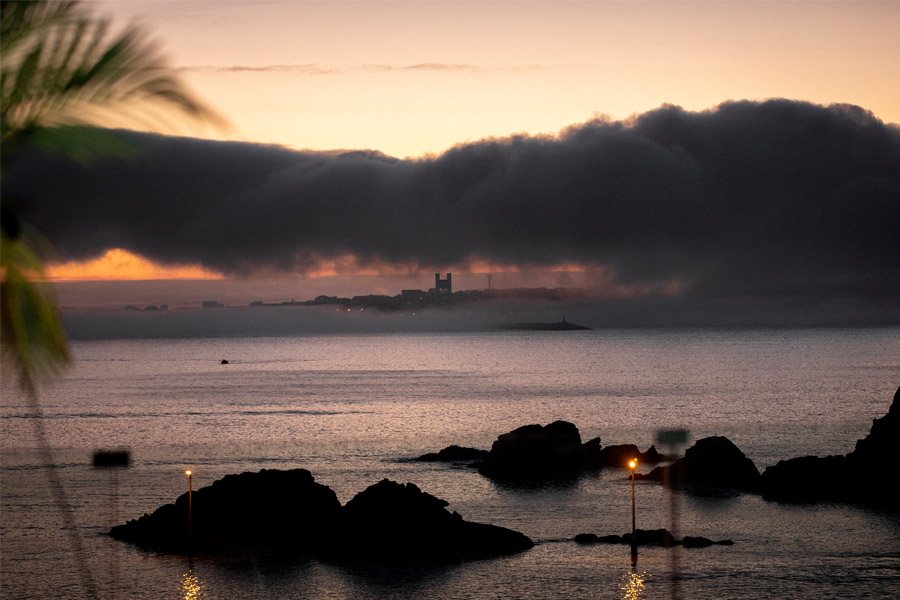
x,y
112,458
224,361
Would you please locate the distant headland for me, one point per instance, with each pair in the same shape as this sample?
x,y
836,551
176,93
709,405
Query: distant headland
x,y
441,295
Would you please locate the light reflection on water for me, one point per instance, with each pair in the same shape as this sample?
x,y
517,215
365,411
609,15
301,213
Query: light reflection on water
x,y
191,586
632,584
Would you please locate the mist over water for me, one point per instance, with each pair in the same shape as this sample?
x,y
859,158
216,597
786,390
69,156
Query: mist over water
x,y
352,408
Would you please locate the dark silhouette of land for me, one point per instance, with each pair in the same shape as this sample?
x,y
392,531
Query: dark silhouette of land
x,y
650,537
543,452
712,462
288,512
864,476
544,326
438,298
537,454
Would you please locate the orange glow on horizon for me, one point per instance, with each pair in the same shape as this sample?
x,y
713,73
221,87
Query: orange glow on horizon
x,y
602,280
120,265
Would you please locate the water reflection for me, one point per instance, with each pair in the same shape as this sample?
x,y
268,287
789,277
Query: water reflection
x,y
632,585
191,587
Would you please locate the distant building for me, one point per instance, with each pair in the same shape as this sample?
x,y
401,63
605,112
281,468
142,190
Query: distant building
x,y
443,286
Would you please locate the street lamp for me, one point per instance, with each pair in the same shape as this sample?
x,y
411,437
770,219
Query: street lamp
x,y
632,464
190,477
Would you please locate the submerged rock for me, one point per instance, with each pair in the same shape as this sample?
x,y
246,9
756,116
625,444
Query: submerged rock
x,y
587,538
287,511
284,510
863,476
454,453
650,537
713,462
702,542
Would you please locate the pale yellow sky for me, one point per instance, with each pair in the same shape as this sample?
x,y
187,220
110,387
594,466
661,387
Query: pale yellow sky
x,y
410,78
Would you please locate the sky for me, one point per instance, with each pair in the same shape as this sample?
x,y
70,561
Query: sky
x,y
626,147
413,78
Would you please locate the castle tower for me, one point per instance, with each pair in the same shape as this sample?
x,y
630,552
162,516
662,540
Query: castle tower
x,y
443,286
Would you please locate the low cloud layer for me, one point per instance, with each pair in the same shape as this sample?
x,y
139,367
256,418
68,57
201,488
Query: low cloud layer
x,y
749,199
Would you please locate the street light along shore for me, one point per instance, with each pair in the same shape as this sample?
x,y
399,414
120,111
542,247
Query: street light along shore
x,y
632,465
190,478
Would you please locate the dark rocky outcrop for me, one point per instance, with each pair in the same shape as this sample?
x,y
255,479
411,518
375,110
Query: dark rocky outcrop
x,y
807,478
689,541
274,509
595,456
864,476
555,452
535,451
288,512
454,453
587,538
390,521
650,537
880,447
713,462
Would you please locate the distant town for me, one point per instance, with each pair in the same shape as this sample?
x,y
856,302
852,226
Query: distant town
x,y
439,296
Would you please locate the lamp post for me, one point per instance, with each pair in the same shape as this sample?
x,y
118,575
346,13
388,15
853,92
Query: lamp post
x,y
190,477
632,464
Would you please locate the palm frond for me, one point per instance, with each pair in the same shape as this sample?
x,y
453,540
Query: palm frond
x,y
33,337
59,61
62,70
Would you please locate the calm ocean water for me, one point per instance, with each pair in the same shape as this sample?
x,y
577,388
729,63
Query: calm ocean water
x,y
352,408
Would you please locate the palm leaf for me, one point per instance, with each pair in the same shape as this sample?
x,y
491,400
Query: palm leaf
x,y
32,333
61,66
61,71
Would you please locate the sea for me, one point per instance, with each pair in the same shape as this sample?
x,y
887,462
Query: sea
x,y
356,408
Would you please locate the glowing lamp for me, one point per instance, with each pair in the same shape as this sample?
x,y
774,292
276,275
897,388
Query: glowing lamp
x,y
632,464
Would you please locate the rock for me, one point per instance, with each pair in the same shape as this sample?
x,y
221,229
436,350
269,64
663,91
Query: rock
x,y
879,449
862,477
535,452
713,462
702,542
617,456
274,509
807,479
650,537
454,453
389,521
652,456
288,512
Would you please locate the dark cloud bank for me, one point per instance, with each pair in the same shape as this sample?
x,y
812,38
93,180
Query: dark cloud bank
x,y
779,205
